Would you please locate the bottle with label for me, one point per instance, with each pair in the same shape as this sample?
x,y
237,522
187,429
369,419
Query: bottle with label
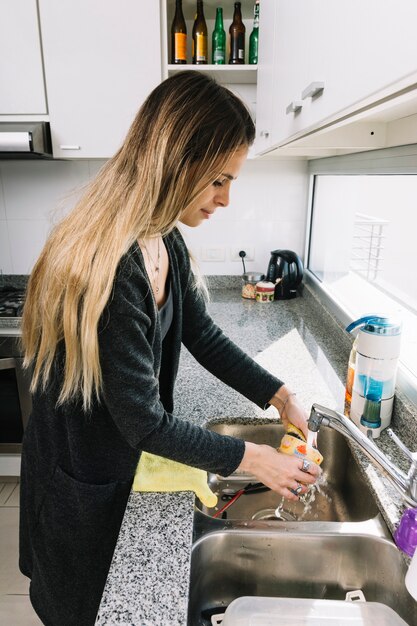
x,y
219,40
237,32
200,36
178,36
349,378
254,36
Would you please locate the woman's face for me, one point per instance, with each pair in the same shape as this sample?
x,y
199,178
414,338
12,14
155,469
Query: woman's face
x,y
217,194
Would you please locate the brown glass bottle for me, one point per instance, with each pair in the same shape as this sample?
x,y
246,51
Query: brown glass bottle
x,y
178,36
200,36
237,37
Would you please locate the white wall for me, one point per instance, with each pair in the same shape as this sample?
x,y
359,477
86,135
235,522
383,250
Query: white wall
x,y
267,211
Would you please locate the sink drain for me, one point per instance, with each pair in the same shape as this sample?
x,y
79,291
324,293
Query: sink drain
x,y
269,515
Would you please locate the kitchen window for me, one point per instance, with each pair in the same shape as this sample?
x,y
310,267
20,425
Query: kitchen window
x,y
362,243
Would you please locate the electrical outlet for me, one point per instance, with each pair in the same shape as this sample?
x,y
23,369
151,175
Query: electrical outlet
x,y
250,253
213,254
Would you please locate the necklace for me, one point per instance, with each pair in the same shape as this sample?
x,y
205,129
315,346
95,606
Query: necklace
x,y
154,266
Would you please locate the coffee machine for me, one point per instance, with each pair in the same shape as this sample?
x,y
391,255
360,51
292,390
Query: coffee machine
x,y
285,268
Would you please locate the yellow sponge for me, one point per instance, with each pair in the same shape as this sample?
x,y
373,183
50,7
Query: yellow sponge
x,y
155,473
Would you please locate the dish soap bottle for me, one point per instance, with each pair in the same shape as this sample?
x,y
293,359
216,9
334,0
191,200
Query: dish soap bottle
x,y
349,378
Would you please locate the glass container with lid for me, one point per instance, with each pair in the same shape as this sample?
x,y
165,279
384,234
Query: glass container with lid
x,y
249,280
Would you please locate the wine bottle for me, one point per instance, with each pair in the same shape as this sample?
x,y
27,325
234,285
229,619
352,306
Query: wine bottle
x,y
178,36
219,40
237,37
200,36
254,36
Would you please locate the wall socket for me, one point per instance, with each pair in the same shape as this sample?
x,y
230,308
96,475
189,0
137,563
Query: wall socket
x,y
213,254
250,253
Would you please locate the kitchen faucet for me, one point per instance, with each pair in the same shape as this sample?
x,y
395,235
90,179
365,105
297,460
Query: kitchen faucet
x,y
406,484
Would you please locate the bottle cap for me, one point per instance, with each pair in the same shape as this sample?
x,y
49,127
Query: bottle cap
x,y
265,285
406,534
253,277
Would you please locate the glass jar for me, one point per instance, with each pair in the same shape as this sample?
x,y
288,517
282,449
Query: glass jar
x,y
249,280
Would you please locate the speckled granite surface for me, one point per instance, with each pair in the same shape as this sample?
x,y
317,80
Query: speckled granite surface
x,y
302,344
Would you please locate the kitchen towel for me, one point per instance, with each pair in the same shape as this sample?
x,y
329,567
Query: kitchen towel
x,y
155,473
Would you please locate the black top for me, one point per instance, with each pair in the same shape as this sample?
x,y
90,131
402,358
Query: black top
x,y
166,312
77,468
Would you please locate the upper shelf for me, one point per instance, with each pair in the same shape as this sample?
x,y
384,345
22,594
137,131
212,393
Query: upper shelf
x,y
225,74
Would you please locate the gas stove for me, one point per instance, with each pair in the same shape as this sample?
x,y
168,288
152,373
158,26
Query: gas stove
x,y
11,306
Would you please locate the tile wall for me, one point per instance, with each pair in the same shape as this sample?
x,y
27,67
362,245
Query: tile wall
x,y
267,211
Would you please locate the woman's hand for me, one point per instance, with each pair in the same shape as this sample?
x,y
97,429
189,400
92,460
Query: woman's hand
x,y
290,409
278,471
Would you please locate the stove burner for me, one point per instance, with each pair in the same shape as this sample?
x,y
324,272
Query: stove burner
x,y
11,302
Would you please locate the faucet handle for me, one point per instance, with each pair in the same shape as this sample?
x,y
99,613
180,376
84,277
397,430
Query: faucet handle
x,y
412,456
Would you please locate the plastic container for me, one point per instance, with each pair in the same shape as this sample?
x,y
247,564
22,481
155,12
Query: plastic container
x,y
265,291
411,577
406,534
249,280
377,352
258,611
349,378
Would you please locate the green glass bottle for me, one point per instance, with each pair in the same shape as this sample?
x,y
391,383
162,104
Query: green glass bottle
x,y
218,56
254,36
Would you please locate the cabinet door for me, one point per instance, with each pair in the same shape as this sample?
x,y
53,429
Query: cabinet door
x,y
265,79
101,60
356,50
21,73
291,66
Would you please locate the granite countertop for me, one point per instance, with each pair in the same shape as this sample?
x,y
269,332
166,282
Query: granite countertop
x,y
301,343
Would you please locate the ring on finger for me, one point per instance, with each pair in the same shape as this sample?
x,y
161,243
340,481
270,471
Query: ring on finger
x,y
297,490
305,465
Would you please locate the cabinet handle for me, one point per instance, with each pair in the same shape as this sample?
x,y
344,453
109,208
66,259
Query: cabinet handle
x,y
294,107
70,147
7,363
313,89
264,133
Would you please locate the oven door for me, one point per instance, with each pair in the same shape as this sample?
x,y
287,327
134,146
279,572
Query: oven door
x,y
15,404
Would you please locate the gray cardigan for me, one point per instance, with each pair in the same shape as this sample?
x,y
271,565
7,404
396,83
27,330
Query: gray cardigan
x,y
77,469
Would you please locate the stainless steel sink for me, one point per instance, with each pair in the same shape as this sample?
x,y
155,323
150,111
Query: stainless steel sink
x,y
345,496
233,563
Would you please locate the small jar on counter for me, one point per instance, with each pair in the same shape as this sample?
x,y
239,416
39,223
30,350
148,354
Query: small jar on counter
x,y
265,291
249,281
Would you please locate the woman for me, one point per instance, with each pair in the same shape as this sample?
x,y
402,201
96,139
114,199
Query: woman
x,y
109,302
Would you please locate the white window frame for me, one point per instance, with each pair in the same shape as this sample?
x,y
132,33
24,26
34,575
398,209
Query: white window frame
x,y
400,160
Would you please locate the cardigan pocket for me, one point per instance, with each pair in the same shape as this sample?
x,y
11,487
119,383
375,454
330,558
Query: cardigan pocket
x,y
74,543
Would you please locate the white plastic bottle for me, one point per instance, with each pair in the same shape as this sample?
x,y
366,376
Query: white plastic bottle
x,y
377,352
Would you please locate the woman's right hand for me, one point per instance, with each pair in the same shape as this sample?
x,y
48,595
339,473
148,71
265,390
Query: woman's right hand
x,y
280,472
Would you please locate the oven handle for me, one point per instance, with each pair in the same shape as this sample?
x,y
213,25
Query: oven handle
x,y
8,363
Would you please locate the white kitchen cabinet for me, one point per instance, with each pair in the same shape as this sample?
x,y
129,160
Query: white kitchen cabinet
x,y
21,72
101,61
355,50
265,80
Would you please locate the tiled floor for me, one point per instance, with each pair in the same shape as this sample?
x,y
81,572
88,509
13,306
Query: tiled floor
x,y
15,607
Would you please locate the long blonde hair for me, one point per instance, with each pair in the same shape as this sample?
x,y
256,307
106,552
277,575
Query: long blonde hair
x,y
177,145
